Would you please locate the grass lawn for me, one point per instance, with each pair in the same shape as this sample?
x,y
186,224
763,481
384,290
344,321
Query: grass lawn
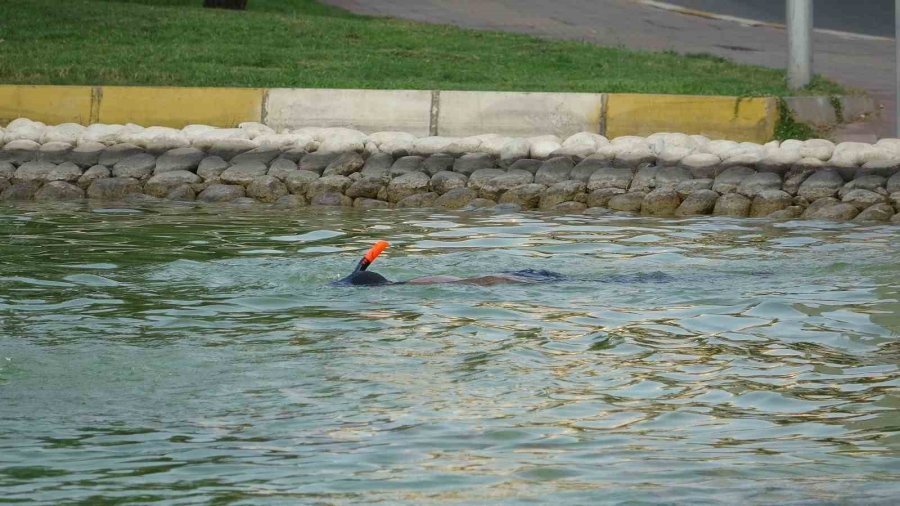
x,y
300,43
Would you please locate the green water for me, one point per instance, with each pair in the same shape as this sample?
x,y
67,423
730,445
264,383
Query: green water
x,y
198,356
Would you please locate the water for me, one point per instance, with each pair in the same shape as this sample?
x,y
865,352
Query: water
x,y
190,356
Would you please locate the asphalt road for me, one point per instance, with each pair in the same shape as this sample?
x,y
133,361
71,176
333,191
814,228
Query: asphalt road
x,y
870,17
858,63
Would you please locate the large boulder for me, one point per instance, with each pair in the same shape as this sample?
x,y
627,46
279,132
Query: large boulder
x,y
179,159
602,196
660,202
221,193
23,190
118,152
820,184
668,178
113,188
298,182
757,183
161,184
767,202
701,165
554,170
282,168
438,163
528,196
21,151
54,152
869,182
266,189
561,192
527,164
211,167
92,174
469,163
893,183
645,178
732,204
456,198
418,200
87,154
876,213
444,181
345,164
406,164
364,203
609,177
628,202
586,168
45,171
317,162
328,184
256,155
59,190
496,186
698,202
378,165
685,188
406,185
861,199
331,199
139,166
366,187
243,173
482,176
730,179
830,210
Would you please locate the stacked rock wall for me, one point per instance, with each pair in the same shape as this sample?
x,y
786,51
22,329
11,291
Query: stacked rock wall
x,y
666,174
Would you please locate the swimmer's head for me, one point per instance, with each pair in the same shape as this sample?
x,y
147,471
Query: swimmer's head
x,y
365,278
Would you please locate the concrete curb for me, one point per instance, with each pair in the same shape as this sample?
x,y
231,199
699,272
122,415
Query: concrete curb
x,y
443,113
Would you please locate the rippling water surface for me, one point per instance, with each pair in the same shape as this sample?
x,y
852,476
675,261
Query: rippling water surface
x,y
200,356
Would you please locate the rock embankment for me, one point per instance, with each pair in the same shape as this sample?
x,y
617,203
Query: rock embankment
x,y
665,174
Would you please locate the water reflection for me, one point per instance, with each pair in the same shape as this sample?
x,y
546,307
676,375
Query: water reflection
x,y
198,355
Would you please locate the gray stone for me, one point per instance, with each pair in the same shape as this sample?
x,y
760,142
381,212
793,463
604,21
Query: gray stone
x,y
4,184
113,188
243,173
732,204
528,196
228,149
561,192
778,161
282,168
418,200
609,177
586,168
570,206
456,198
182,193
262,155
328,184
7,170
701,201
788,213
633,157
598,211
628,202
668,178
822,183
345,164
444,181
876,212
316,162
507,208
883,168
731,178
367,203
871,182
685,188
294,154
767,202
221,193
795,177
660,202
378,165
139,166
701,165
54,152
331,199
893,183
406,165
406,185
469,163
602,196
527,164
554,170
438,163
179,159
861,199
495,187
59,190
480,203
292,201
92,174
644,179
118,152
46,171
298,182
211,168
895,199
266,189
87,154
759,182
23,190
482,176
20,151
161,184
366,187
831,211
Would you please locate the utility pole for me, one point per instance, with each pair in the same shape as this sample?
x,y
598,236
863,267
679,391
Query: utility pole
x,y
799,23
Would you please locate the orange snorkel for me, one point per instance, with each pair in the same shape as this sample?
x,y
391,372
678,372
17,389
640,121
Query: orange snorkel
x,y
371,255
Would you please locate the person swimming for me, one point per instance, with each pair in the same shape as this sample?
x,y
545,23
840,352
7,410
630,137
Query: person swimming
x,y
361,277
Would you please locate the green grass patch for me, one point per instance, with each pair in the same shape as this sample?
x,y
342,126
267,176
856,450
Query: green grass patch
x,y
787,127
301,43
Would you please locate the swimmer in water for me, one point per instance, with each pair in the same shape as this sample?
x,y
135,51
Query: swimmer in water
x,y
361,277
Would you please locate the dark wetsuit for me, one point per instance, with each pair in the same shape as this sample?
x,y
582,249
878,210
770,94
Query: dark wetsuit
x,y
367,278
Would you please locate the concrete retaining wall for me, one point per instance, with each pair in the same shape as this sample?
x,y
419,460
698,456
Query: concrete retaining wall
x,y
445,113
657,175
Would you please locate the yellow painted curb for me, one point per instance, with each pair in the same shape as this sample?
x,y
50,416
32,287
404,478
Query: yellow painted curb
x,y
49,104
735,118
178,107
